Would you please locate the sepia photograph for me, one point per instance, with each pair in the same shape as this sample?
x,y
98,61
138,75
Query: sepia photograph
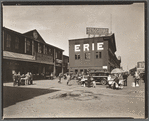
x,y
74,60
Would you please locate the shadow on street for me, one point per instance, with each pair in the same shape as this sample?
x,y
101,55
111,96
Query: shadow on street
x,y
12,95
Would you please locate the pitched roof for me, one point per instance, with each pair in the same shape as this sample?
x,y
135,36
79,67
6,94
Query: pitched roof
x,y
30,34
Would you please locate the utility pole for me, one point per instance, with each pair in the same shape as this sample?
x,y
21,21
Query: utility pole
x,y
111,23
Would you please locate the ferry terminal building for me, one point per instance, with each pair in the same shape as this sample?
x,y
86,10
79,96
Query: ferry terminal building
x,y
96,53
28,52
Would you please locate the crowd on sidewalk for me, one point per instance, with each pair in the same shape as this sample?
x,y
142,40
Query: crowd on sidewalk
x,y
115,81
24,79
84,79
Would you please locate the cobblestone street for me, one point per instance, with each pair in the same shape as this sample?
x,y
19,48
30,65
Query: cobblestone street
x,y
49,99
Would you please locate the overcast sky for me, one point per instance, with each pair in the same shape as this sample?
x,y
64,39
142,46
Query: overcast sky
x,y
58,24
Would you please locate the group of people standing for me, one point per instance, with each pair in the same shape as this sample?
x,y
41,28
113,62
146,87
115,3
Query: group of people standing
x,y
82,78
26,78
117,80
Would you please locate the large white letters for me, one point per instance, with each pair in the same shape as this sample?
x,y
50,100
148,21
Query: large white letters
x,y
77,48
86,47
92,46
100,46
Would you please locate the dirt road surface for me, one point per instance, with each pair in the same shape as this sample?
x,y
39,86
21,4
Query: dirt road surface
x,y
49,99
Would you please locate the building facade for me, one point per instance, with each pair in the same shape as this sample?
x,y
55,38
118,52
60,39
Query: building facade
x,y
28,52
97,53
65,63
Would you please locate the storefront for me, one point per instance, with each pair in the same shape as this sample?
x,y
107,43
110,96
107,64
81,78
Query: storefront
x,y
28,52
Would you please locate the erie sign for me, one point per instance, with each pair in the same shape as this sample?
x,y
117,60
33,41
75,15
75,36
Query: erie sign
x,y
97,31
77,47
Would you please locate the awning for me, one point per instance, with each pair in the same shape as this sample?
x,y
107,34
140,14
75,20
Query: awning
x,y
22,57
18,55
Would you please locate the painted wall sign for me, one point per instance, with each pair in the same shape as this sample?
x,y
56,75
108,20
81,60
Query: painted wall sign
x,y
105,67
77,47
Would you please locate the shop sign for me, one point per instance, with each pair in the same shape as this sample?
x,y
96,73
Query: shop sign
x,y
58,61
45,58
105,67
97,31
86,47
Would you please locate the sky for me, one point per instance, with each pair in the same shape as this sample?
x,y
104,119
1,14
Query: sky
x,y
58,24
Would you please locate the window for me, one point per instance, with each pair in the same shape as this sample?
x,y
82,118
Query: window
x,y
56,55
39,48
8,41
28,45
98,55
87,55
81,70
77,56
50,52
46,50
16,43
76,71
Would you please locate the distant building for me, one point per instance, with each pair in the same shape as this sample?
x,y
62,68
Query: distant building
x,y
65,63
141,67
28,52
96,53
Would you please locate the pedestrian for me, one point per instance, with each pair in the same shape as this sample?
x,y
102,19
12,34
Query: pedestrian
x,y
137,78
27,78
125,76
31,78
94,83
65,76
79,78
51,76
14,77
60,76
121,81
19,78
83,81
69,79
116,81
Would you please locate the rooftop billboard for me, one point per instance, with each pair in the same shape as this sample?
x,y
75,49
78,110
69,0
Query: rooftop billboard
x,y
97,31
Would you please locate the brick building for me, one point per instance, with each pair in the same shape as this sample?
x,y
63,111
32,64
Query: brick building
x,y
28,52
96,53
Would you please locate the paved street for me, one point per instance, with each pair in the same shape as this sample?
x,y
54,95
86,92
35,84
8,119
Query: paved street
x,y
49,99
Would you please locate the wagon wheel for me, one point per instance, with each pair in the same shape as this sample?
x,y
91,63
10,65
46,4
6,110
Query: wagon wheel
x,y
103,81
